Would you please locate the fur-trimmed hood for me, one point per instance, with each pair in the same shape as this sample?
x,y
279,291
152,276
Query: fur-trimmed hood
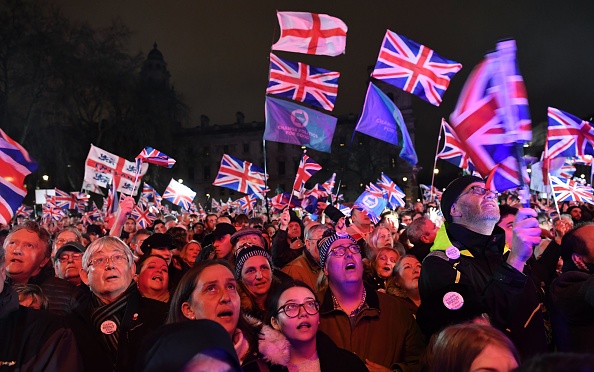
x,y
274,346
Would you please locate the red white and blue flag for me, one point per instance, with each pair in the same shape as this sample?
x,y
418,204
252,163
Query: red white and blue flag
x,y
569,190
453,150
395,195
15,165
179,194
307,168
65,200
154,156
143,216
24,210
568,135
304,83
329,184
430,194
242,176
247,203
414,68
50,212
311,33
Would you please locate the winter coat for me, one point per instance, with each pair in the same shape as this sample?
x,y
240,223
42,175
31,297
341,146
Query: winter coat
x,y
63,296
456,290
281,250
384,332
304,268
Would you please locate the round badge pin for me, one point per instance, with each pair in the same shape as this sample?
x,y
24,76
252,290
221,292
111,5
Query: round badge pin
x,y
108,327
453,253
453,300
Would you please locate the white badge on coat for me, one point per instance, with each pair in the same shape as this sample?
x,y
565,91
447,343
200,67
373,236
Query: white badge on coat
x,y
453,300
453,253
108,327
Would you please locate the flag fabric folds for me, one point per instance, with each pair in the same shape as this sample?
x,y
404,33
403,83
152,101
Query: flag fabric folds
x,y
372,204
102,167
242,176
453,150
381,119
568,135
179,194
247,203
304,83
15,165
307,168
395,194
154,156
143,216
414,68
289,122
569,190
430,194
311,33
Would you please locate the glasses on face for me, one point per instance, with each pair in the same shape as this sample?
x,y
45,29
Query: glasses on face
x,y
116,259
480,191
65,257
341,250
291,310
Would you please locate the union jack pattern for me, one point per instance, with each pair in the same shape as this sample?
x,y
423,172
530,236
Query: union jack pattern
x,y
143,216
215,205
51,212
395,194
247,203
241,176
154,156
65,200
570,190
329,185
428,195
179,194
453,150
24,210
568,135
304,83
307,168
414,68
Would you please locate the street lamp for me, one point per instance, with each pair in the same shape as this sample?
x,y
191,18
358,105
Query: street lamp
x,y
436,171
45,177
404,179
180,181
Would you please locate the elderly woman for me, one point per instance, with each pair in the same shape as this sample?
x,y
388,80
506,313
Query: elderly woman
x,y
189,253
404,285
209,291
382,254
153,278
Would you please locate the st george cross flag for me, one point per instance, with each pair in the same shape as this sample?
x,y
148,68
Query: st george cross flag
x,y
372,204
565,189
311,33
288,122
414,68
307,168
480,125
395,194
15,165
304,83
154,156
381,119
101,167
179,194
568,135
453,150
242,176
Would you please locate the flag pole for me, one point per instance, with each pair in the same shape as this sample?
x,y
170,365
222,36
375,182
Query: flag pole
x,y
265,179
435,160
296,175
553,195
138,167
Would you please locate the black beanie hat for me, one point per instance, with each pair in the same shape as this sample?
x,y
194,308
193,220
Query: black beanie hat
x,y
453,191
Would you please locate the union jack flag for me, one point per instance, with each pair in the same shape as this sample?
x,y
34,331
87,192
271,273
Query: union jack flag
x,y
414,68
179,194
307,168
304,83
51,212
567,169
242,176
344,209
568,135
280,202
154,156
570,190
479,125
201,211
143,216
215,205
374,190
586,159
430,194
329,185
453,150
65,200
395,194
318,192
247,203
24,210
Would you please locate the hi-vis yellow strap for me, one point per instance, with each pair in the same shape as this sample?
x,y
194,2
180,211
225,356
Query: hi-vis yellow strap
x,y
442,242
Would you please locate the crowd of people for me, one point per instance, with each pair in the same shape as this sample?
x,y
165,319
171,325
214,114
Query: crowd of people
x,y
477,283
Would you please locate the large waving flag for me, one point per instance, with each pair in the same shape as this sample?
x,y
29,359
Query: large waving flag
x,y
395,195
372,204
288,122
304,83
15,165
64,200
143,216
153,156
247,203
381,119
569,190
568,135
414,68
307,168
481,124
242,176
102,166
311,33
179,194
453,150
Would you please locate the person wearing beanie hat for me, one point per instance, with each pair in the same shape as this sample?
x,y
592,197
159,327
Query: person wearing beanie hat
x,y
466,275
375,326
287,243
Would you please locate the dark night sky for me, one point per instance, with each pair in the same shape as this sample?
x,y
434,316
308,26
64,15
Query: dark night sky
x,y
217,52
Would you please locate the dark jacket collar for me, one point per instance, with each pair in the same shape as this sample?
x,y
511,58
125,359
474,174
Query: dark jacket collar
x,y
477,244
9,301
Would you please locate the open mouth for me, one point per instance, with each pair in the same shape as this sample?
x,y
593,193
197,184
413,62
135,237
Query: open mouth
x,y
157,277
226,314
16,260
387,269
304,325
112,277
350,266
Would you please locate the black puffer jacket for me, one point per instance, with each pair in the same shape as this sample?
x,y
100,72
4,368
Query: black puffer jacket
x,y
62,295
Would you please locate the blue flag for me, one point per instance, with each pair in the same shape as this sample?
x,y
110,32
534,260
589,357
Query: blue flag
x,y
288,122
381,119
372,204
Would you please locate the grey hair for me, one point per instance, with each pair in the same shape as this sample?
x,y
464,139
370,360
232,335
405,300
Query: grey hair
x,y
106,241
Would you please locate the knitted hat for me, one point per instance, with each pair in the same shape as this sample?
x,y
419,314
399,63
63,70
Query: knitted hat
x,y
243,232
453,191
325,243
242,254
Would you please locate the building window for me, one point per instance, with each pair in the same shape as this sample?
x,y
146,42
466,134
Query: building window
x,y
207,172
246,147
281,168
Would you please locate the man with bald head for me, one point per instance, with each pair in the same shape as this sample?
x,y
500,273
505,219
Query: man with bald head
x,y
467,277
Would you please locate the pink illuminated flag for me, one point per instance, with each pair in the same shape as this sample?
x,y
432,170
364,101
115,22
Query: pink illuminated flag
x,y
154,156
179,194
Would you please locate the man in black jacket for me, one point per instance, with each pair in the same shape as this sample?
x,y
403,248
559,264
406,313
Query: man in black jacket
x,y
112,323
466,276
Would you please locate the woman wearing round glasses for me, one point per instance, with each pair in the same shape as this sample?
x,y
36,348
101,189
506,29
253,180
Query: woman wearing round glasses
x,y
291,342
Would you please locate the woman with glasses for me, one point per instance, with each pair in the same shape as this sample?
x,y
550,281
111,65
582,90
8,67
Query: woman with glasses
x,y
290,340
